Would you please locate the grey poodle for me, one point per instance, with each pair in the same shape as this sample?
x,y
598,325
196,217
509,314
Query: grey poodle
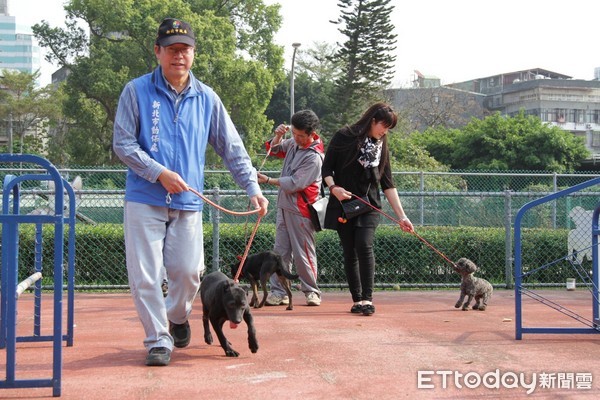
x,y
472,286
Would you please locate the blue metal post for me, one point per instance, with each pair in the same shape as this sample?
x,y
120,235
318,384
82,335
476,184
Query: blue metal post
x,y
10,249
519,328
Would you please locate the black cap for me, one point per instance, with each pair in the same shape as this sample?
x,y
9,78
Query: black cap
x,y
173,31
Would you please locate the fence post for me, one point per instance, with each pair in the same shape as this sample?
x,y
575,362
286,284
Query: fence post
x,y
421,198
555,189
508,242
216,217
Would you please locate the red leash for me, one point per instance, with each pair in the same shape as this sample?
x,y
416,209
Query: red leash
x,y
197,193
249,244
246,251
250,212
436,250
413,231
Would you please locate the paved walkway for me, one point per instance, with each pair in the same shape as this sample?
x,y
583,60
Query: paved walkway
x,y
327,353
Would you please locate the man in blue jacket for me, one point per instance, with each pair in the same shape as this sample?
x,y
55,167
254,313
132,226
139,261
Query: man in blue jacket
x,y
164,121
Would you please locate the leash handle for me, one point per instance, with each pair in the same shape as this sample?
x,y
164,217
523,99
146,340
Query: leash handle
x,y
215,205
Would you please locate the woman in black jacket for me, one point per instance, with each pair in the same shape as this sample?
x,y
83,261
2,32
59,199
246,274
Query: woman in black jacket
x,y
357,163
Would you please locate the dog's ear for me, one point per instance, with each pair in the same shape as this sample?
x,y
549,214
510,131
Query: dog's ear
x,y
471,267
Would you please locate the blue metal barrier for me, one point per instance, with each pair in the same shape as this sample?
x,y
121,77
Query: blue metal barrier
x,y
11,219
593,323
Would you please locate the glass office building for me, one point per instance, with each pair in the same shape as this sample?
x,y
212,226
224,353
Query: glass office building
x,y
18,48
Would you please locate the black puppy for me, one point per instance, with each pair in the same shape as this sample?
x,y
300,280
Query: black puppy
x,y
224,300
259,268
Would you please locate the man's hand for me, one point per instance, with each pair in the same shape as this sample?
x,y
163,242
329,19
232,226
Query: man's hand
x,y
172,182
260,201
281,130
262,178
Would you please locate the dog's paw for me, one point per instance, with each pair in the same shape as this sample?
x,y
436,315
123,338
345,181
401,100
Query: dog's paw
x,y
231,353
482,308
465,308
290,307
457,305
253,345
208,339
476,307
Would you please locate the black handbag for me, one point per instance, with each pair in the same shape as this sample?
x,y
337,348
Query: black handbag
x,y
317,210
355,207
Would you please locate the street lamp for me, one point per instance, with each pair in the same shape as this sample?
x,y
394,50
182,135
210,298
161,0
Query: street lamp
x,y
10,133
295,46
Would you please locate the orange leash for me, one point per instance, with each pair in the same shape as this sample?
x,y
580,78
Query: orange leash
x,y
243,258
246,251
436,250
241,213
413,232
249,244
221,208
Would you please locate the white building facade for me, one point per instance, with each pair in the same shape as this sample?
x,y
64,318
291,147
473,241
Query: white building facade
x,y
18,48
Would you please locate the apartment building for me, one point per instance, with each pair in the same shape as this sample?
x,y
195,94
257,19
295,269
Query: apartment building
x,y
557,99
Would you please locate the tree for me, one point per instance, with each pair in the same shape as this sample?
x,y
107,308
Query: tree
x,y
366,56
313,87
498,142
24,107
243,65
438,142
319,61
436,107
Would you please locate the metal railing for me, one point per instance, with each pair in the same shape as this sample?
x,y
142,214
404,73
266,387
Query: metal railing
x,y
443,203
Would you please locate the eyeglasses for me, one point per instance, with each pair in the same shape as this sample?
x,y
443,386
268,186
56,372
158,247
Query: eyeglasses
x,y
173,51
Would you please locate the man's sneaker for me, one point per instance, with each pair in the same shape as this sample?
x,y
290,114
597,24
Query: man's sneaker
x,y
274,299
313,299
158,357
181,333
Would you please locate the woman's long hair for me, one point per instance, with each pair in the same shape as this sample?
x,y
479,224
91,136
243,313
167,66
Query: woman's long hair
x,y
378,112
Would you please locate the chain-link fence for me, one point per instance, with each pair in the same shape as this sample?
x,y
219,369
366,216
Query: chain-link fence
x,y
462,214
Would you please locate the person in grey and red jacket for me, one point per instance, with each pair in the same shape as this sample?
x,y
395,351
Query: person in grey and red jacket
x,y
300,179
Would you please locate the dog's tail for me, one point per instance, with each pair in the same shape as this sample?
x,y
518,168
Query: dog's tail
x,y
288,274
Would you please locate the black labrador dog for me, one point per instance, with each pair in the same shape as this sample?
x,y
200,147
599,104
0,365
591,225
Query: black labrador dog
x,y
259,268
224,300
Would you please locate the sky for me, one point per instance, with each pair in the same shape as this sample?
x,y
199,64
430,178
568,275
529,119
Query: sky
x,y
454,40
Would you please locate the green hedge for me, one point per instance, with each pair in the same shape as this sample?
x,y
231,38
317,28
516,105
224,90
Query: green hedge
x,y
98,249
402,258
